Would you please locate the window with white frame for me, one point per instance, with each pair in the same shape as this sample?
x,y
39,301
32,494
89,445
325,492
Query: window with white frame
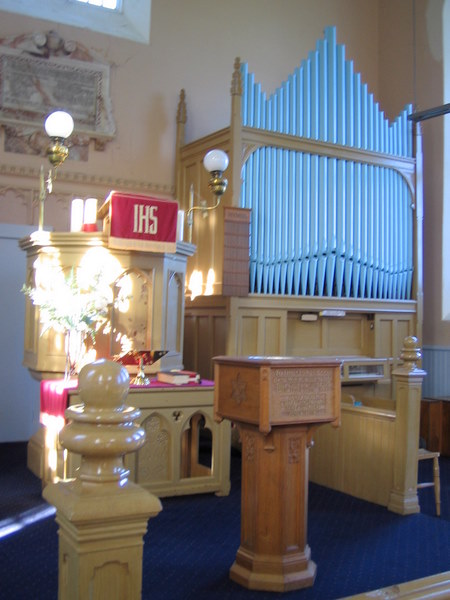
x,y
129,19
107,4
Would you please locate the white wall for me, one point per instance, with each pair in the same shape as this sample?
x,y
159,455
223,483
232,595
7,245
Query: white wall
x,y
19,392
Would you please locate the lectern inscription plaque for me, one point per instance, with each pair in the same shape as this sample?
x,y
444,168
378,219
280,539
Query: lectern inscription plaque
x,y
300,393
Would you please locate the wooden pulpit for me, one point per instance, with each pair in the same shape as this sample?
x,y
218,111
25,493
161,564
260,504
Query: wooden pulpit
x,y
276,402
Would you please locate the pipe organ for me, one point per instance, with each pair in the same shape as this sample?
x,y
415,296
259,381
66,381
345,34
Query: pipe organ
x,y
339,226
330,185
335,237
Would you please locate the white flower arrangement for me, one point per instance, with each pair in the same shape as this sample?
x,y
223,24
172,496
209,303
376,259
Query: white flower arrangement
x,y
67,304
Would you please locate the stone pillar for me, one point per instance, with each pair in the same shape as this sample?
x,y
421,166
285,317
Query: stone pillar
x,y
408,392
102,516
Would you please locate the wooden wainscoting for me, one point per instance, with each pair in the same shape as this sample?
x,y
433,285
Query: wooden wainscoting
x,y
356,458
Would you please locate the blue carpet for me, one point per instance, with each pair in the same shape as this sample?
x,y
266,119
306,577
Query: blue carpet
x,y
191,544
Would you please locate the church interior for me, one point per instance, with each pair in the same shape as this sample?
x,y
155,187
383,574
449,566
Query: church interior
x,y
252,198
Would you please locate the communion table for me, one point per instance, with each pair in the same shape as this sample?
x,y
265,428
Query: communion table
x,y
186,450
277,403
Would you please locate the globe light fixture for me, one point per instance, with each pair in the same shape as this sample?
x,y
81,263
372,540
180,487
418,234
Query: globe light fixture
x,y
58,126
215,162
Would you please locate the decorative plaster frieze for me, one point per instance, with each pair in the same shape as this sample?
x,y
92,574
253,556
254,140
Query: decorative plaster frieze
x,y
103,181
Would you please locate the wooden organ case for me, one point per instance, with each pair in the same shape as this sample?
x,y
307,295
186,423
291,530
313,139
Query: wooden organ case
x,y
335,243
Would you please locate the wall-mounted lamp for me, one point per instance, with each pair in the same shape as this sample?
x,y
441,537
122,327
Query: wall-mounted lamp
x,y
215,162
58,126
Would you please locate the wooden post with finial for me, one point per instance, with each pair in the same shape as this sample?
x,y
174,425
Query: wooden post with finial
x,y
408,391
102,516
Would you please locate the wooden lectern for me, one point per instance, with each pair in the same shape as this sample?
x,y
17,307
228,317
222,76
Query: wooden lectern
x,y
277,403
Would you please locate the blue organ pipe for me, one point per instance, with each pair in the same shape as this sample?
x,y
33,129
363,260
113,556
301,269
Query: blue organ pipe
x,y
376,127
273,219
261,229
405,132
400,240
322,90
312,275
357,109
338,128
291,220
263,124
340,237
300,100
381,144
268,218
384,235
396,137
298,221
349,226
280,118
349,104
364,117
322,247
376,227
364,230
282,250
286,112
257,106
386,137
334,75
374,208
387,242
306,230
370,122
274,112
258,219
284,201
357,233
314,91
331,224
291,108
251,100
404,262
278,223
307,99
260,167
395,236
